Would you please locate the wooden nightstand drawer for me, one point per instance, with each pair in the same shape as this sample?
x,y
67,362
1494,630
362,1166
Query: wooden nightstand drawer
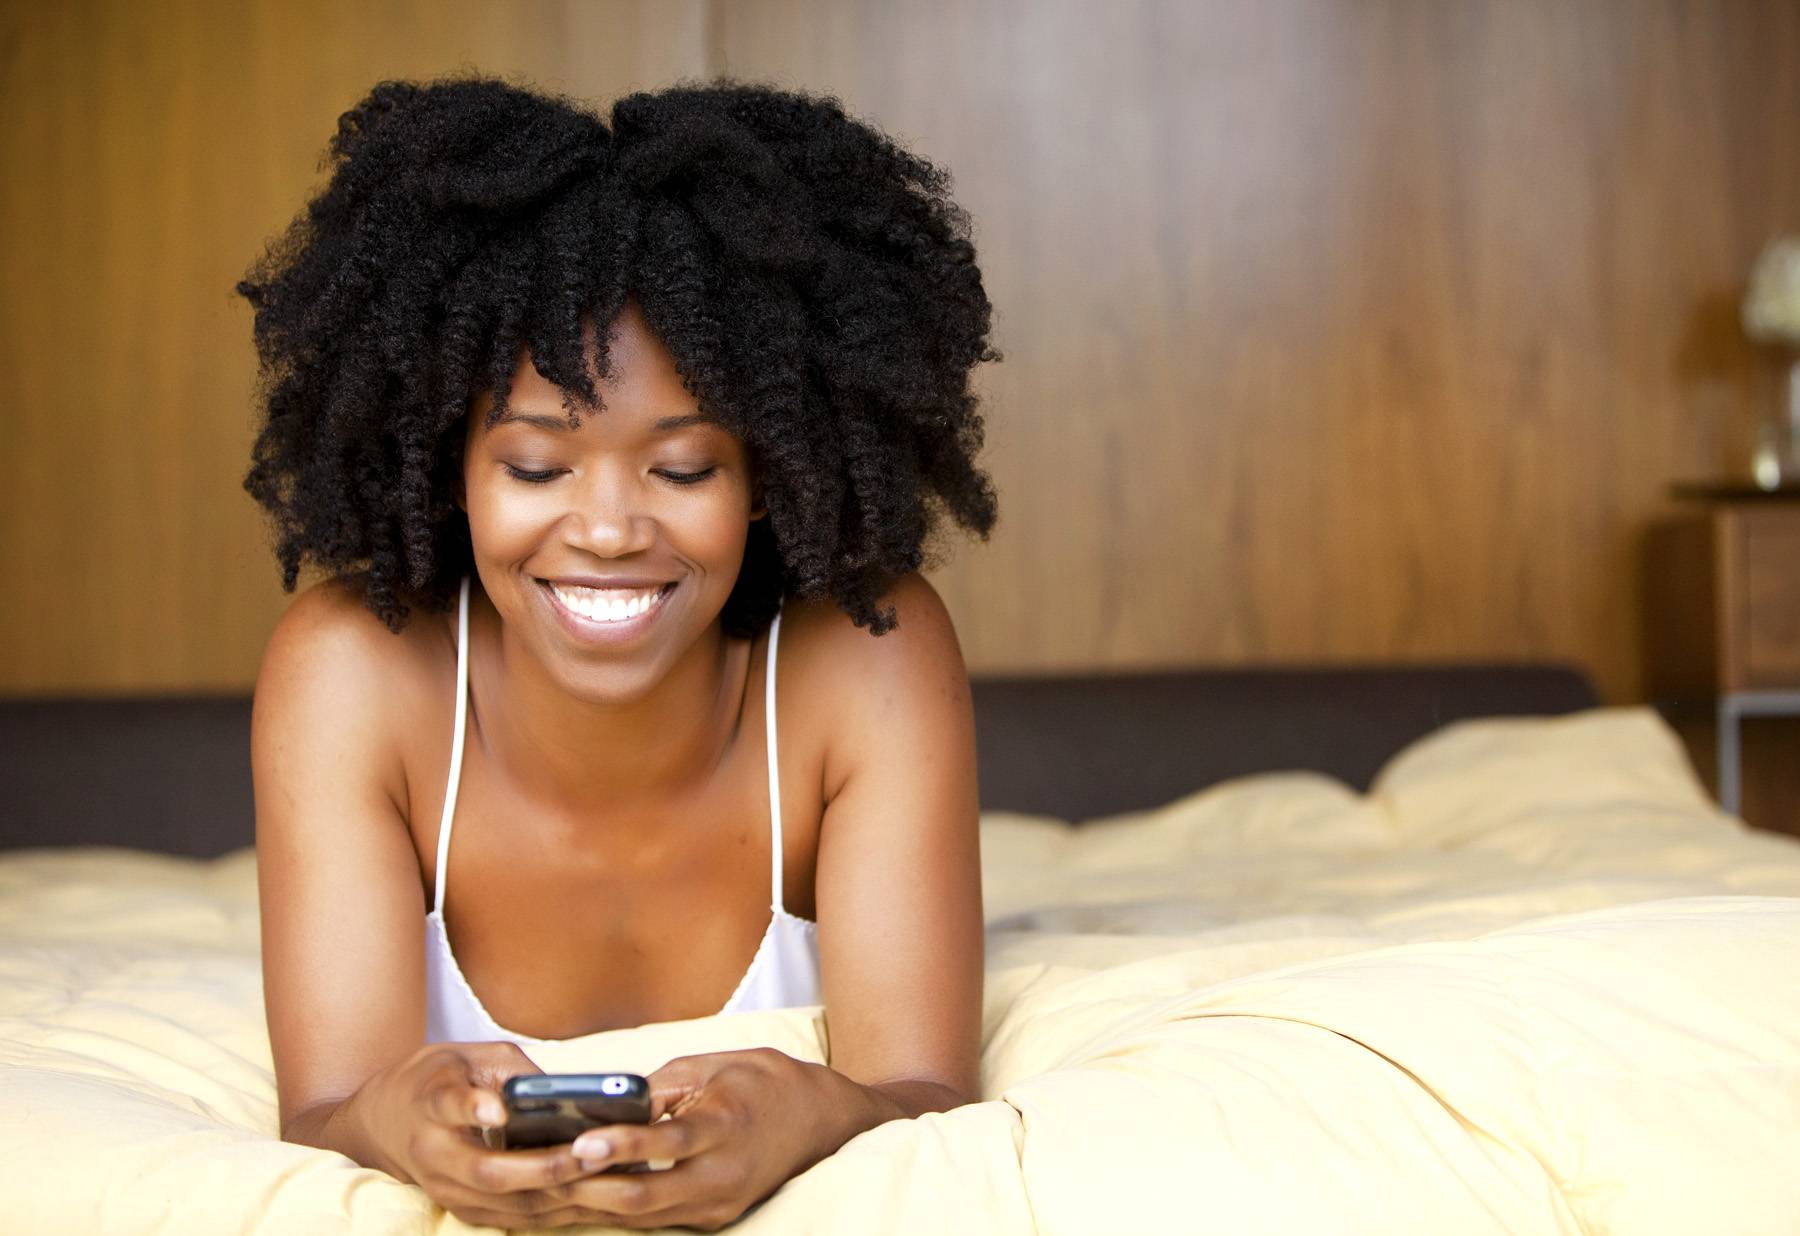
x,y
1722,635
1768,604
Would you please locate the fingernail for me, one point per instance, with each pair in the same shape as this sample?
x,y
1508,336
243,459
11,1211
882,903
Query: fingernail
x,y
591,1150
491,1115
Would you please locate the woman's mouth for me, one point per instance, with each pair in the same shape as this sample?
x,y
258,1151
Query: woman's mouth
x,y
605,615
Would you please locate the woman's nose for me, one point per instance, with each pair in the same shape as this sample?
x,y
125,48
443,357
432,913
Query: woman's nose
x,y
610,518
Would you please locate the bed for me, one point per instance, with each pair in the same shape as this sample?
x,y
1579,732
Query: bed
x,y
1445,949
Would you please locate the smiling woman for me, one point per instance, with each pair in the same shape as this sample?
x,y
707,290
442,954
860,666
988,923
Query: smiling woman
x,y
584,422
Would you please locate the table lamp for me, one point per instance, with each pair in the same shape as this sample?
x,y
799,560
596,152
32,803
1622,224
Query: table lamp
x,y
1771,314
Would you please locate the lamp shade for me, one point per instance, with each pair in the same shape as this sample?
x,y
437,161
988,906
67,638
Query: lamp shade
x,y
1772,303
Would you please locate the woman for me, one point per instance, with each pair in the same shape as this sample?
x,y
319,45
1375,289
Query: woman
x,y
619,446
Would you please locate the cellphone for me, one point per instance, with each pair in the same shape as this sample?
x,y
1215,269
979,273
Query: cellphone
x,y
548,1109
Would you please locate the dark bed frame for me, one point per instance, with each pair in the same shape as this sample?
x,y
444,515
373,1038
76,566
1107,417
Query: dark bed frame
x,y
172,773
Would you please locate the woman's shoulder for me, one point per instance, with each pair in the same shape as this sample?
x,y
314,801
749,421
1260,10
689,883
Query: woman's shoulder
x,y
331,661
911,675
923,636
330,628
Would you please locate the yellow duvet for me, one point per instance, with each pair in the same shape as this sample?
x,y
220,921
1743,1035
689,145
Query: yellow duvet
x,y
1532,982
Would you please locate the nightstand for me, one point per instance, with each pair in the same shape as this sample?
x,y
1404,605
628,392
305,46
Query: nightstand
x,y
1723,588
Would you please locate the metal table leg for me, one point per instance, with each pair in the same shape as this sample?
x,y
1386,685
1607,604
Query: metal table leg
x,y
1729,718
1734,706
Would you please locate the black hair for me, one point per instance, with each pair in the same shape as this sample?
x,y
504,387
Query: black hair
x,y
813,281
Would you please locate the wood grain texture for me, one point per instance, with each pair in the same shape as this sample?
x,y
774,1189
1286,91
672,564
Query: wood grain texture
x,y
1686,618
1336,330
1769,612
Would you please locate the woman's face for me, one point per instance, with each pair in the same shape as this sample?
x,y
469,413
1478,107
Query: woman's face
x,y
610,548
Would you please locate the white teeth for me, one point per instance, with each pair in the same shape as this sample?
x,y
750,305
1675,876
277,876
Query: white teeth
x,y
606,604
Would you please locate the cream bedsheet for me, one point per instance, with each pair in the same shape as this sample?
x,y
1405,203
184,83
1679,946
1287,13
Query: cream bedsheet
x,y
1533,982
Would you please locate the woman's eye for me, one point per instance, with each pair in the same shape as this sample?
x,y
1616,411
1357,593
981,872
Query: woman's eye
x,y
546,474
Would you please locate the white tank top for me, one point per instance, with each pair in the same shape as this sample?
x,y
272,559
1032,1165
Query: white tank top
x,y
783,974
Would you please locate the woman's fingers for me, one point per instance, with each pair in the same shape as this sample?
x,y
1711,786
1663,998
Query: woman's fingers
x,y
462,1082
636,1193
563,1216
679,1137
704,1193
676,1083
464,1087
454,1102
518,1173
490,1064
451,1094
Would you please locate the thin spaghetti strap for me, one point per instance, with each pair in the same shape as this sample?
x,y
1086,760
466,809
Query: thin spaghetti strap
x,y
774,770
456,747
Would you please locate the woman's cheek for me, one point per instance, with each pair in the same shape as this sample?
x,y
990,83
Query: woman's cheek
x,y
714,544
508,525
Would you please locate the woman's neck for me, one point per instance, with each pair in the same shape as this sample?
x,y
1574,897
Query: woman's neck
x,y
573,755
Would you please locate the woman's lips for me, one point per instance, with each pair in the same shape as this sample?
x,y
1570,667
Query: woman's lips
x,y
596,631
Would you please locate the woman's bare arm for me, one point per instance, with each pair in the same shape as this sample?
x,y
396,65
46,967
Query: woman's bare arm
x,y
343,968
899,868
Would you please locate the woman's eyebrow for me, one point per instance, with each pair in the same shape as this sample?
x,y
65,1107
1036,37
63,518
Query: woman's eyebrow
x,y
534,418
667,424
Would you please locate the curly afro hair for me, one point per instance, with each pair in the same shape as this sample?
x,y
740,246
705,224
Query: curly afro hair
x,y
813,281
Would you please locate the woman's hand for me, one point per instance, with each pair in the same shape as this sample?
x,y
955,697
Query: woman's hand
x,y
740,1124
422,1121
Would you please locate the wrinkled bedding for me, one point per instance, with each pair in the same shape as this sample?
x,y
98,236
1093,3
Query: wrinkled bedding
x,y
1533,981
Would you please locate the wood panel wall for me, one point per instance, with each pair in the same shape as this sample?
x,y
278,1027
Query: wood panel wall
x,y
1335,329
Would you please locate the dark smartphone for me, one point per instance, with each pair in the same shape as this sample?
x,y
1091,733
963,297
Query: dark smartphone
x,y
551,1109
